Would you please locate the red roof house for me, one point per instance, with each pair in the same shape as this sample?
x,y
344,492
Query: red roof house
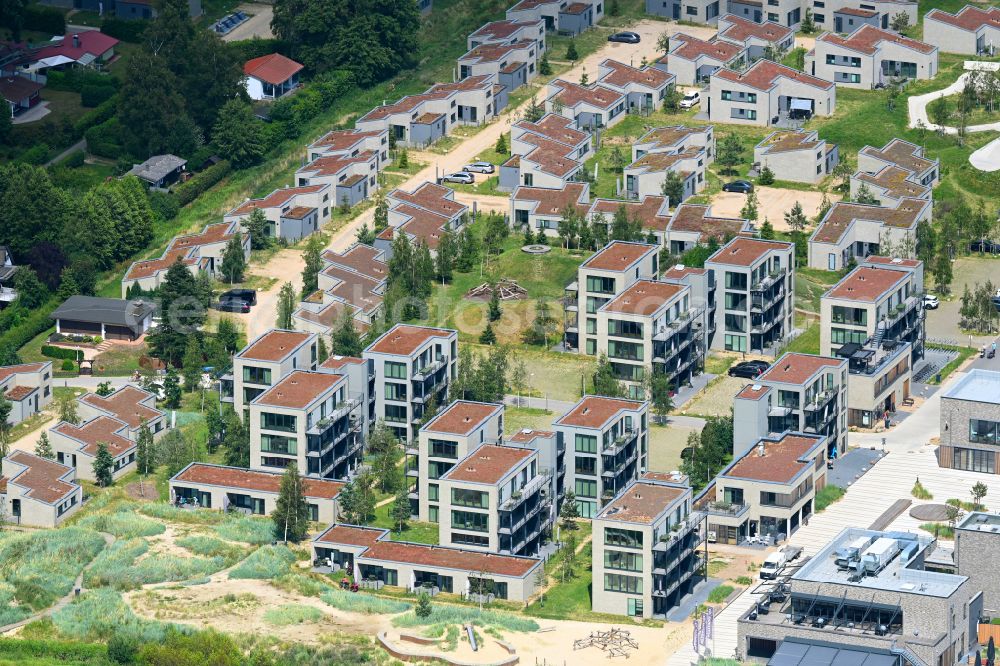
x,y
271,76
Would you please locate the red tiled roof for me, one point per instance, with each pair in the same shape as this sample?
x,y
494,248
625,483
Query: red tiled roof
x,y
867,39
452,558
651,211
299,389
266,482
594,411
332,165
126,404
622,75
746,251
42,478
851,11
679,271
338,362
488,464
867,283
641,503
835,223
462,417
8,370
273,68
618,256
763,74
92,433
901,153
692,48
753,392
404,340
433,197
643,298
19,393
780,462
274,345
17,88
795,368
94,42
741,30
896,181
527,435
968,18
343,139
572,94
350,535
893,261
422,224
555,127
503,29
275,199
329,315
695,218
497,52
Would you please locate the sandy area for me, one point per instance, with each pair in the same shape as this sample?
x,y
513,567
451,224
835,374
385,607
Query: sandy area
x,y
259,24
774,203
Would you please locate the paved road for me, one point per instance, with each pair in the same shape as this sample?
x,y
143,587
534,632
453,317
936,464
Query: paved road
x,y
79,145
917,107
259,24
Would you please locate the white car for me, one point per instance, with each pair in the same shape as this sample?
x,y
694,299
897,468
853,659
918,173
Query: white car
x,y
931,302
479,167
690,100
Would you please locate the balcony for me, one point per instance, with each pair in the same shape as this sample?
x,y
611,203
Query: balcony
x,y
619,442
420,399
760,303
529,489
768,281
821,400
429,369
727,509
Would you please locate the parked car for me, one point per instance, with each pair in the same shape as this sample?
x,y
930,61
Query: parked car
x,y
984,246
479,167
744,186
233,305
749,369
625,37
690,100
463,177
931,302
248,296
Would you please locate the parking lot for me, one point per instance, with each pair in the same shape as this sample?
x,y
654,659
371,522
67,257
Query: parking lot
x,y
943,323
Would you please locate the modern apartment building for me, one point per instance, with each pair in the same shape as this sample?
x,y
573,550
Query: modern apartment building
x,y
972,31
509,32
607,273
589,107
797,155
766,93
870,56
970,423
652,212
645,553
692,60
874,318
798,393
610,443
702,286
547,154
676,138
37,492
350,143
309,419
788,13
975,556
758,38
28,387
570,18
265,361
513,63
352,284
856,231
351,177
413,366
644,88
291,212
423,214
895,172
768,489
542,208
551,457
866,598
454,433
756,309
360,381
130,404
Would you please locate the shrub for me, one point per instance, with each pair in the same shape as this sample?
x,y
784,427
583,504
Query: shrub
x,y
75,80
45,651
920,492
720,594
102,113
287,614
123,567
44,19
744,580
42,566
104,139
359,602
100,614
127,31
62,353
36,155
301,584
266,563
67,366
164,205
211,547
246,529
174,514
827,495
92,96
124,524
191,190
74,160
24,327
122,648
441,614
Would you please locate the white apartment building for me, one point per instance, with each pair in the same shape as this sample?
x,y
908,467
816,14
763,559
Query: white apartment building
x,y
543,208
694,224
757,280
266,360
756,37
549,153
788,13
28,387
423,214
870,56
692,60
291,212
704,304
350,143
513,64
646,175
360,381
765,93
855,231
37,492
413,366
652,211
644,87
608,272
352,178
972,31
509,32
589,107
797,155
559,15
452,434
610,442
798,393
902,154
355,282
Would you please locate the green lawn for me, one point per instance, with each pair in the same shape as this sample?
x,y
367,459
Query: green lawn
x,y
521,418
810,285
963,354
415,531
119,360
826,496
807,342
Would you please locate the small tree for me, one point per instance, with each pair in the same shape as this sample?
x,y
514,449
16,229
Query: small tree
x,y
103,464
900,22
66,407
256,225
322,350
291,512
145,456
672,100
569,511
501,145
617,158
808,25
584,79
403,161
865,196
659,388
978,492
381,217
104,389
424,608
730,152
663,41
400,512
614,8
43,449
6,407
171,390
192,363
673,188
313,257
234,262
767,230
365,235
544,66
569,558
571,53
751,207
541,580
286,306
488,336
942,271
766,176
494,311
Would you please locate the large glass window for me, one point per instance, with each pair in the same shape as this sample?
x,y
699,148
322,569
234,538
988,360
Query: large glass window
x,y
614,536
736,343
736,301
585,488
395,413
394,391
736,323
256,375
617,559
440,448
278,444
624,329
736,280
586,443
586,509
435,469
629,351
586,465
470,540
395,370
283,422
469,520
473,498
842,336
984,432
620,583
853,316
600,285
974,461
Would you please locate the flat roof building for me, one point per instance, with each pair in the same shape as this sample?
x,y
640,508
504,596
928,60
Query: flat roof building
x,y
970,423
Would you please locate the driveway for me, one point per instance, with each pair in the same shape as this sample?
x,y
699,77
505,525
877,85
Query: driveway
x,y
774,203
943,323
917,108
259,24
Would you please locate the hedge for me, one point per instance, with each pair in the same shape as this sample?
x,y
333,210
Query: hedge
x,y
61,353
191,190
92,96
104,112
127,31
35,323
75,80
44,19
104,140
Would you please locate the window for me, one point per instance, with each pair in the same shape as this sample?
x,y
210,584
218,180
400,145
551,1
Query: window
x,y
635,607
736,301
617,559
469,520
432,514
691,11
433,492
435,469
629,351
470,540
256,375
620,583
591,347
736,280
395,370
283,422
845,315
471,498
736,323
624,329
983,432
585,465
600,285
842,336
736,343
271,461
395,413
974,461
277,444
614,536
394,391
591,326
440,448
586,443
585,488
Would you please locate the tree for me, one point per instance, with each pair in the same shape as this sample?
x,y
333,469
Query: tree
x,y
424,608
345,340
488,337
501,144
238,134
708,451
152,113
544,66
31,293
663,41
659,388
255,224
618,160
236,440
322,351
370,39
843,171
171,389
865,196
750,207
291,511
313,257
672,100
445,260
403,161
569,226
357,499
534,111
767,230
175,451
942,271
494,311
384,449
6,407
400,511
192,364
227,334
926,242
808,25
365,235
606,382
182,308
381,217
569,511
543,327
286,306
67,284
614,8
900,22
796,219
145,455
43,449
939,111
571,53
518,377
673,188
978,492
104,389
497,231
569,558
103,465
234,263
824,207
730,152
766,176
66,408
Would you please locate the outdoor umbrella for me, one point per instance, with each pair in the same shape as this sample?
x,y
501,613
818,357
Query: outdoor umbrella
x,y
979,659
991,652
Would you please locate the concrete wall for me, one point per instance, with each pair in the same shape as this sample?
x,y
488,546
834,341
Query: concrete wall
x,y
328,512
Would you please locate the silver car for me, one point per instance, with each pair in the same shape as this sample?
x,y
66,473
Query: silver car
x,y
463,177
479,167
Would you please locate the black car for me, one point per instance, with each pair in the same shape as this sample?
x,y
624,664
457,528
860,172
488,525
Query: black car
x,y
233,305
749,369
744,186
984,246
248,296
625,37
